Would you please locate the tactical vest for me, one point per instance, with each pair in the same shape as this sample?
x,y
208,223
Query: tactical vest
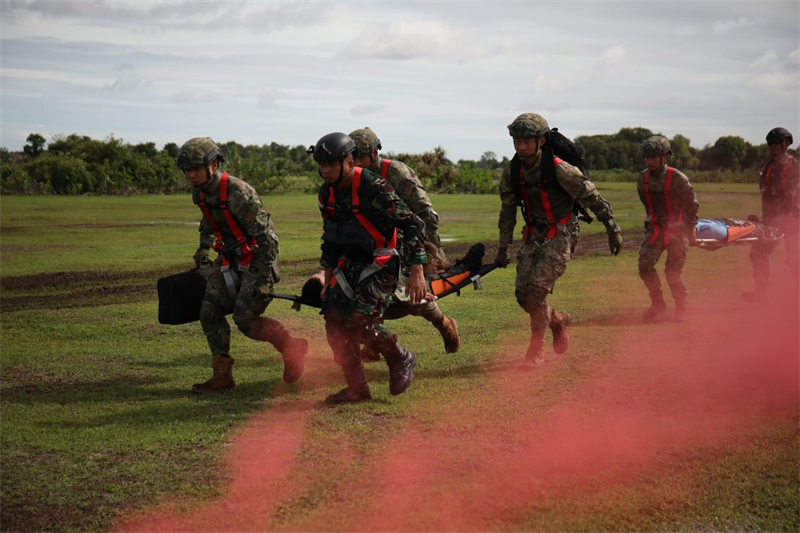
x,y
245,247
666,220
383,249
551,208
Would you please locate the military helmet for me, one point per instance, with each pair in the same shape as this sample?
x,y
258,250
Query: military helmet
x,y
332,147
778,135
655,146
366,141
198,152
528,125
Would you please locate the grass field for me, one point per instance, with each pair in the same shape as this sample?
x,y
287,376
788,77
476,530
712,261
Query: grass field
x,y
677,426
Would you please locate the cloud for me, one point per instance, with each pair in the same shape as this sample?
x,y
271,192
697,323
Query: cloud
x,y
185,97
794,56
727,26
769,59
614,56
268,98
367,109
124,66
127,83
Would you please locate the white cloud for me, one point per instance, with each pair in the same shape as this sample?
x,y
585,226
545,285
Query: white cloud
x,y
124,66
769,59
127,83
614,56
186,97
725,27
794,56
367,109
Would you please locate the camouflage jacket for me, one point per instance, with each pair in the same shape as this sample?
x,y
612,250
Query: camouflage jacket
x,y
780,188
379,202
681,193
409,188
572,187
248,211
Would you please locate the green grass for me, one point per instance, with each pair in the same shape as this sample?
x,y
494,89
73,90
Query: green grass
x,y
98,421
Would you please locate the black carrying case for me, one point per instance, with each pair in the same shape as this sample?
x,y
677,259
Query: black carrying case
x,y
180,297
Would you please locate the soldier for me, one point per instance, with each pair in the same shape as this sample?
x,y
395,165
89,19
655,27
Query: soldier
x,y
548,189
236,225
365,223
671,223
780,204
410,190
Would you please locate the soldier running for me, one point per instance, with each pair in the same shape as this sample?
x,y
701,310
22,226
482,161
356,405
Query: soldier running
x,y
236,225
780,202
365,223
671,223
547,189
410,190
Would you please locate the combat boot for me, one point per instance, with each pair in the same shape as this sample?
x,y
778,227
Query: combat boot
x,y
357,389
449,330
680,310
558,325
534,355
293,353
401,363
657,306
369,355
221,380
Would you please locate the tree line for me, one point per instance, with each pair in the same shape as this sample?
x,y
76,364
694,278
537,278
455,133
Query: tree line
x,y
74,164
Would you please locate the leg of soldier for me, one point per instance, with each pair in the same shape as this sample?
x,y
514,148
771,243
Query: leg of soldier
x,y
372,297
676,257
759,258
447,326
253,299
345,353
538,269
216,304
791,239
648,257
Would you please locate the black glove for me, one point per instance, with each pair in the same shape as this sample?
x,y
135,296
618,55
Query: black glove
x,y
615,243
201,259
502,259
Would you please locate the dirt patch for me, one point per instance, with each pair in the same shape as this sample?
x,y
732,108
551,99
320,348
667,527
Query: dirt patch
x,y
88,297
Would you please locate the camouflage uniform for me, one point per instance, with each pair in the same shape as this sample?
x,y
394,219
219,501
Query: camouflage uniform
x,y
353,318
237,287
256,283
540,261
780,201
665,234
409,188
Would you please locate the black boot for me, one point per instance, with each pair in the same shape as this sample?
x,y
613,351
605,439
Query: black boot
x,y
657,306
401,363
357,389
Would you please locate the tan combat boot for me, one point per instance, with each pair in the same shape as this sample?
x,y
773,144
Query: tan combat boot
x,y
657,306
293,353
221,380
558,325
449,330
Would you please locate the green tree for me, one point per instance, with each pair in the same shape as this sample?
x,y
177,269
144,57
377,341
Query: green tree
x,y
34,146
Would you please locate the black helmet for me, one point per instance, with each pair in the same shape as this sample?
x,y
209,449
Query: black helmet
x,y
778,135
332,147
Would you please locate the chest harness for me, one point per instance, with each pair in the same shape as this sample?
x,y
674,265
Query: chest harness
x,y
385,249
768,173
385,167
673,221
245,248
554,227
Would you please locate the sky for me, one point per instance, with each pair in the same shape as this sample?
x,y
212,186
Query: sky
x,y
421,74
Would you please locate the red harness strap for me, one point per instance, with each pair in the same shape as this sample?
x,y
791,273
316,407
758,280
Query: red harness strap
x,y
245,246
365,222
552,230
651,215
385,168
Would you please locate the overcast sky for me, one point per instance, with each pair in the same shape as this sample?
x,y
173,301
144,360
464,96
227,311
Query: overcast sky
x,y
421,74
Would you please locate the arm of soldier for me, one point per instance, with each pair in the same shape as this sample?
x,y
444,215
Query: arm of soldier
x,y
248,210
586,195
207,240
509,199
640,188
687,200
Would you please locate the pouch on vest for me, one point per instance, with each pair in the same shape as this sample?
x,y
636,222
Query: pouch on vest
x,y
348,238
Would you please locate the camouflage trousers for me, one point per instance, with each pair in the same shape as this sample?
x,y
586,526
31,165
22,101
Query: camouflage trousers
x,y
539,265
357,318
760,251
251,300
649,255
